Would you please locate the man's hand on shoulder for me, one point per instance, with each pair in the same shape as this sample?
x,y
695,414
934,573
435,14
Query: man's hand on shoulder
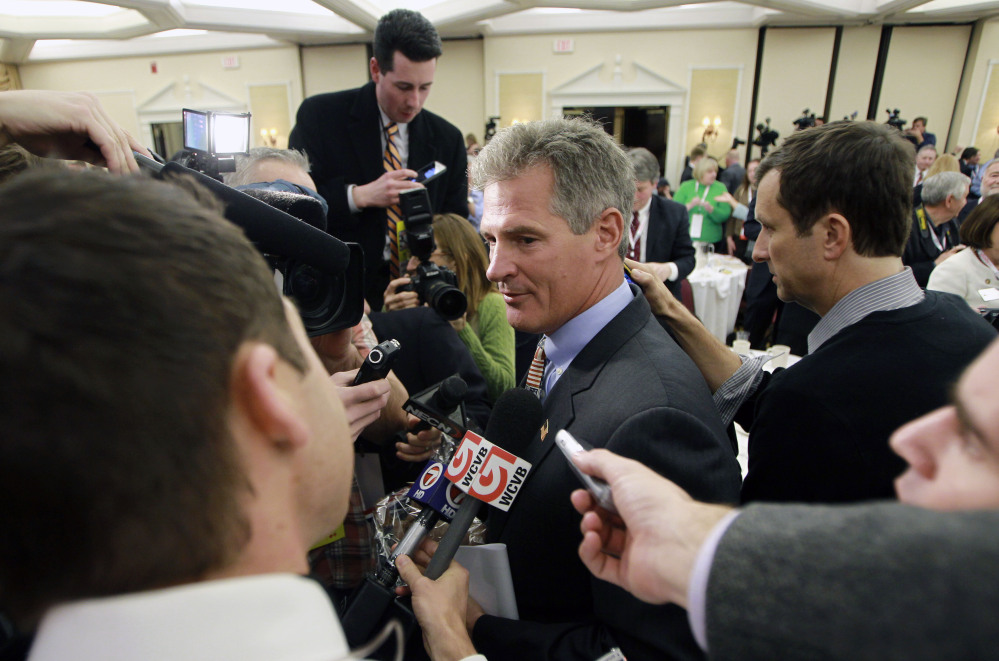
x,y
384,191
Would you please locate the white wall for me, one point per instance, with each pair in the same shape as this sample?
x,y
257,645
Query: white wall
x,y
125,84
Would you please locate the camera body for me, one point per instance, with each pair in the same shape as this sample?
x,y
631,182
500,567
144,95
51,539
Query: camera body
x,y
894,119
766,137
437,286
807,120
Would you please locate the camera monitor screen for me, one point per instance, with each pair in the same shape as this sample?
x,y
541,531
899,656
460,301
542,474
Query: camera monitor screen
x,y
230,133
195,130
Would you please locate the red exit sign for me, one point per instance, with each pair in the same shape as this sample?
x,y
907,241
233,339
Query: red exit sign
x,y
563,46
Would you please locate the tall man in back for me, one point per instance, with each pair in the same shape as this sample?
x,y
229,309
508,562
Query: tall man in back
x,y
556,194
834,205
366,144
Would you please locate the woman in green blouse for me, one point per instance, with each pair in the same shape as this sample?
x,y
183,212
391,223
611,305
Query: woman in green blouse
x,y
707,217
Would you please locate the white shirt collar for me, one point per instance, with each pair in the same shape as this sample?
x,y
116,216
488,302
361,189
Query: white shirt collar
x,y
272,617
402,139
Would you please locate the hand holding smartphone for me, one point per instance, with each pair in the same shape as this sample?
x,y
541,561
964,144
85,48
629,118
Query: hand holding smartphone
x,y
429,172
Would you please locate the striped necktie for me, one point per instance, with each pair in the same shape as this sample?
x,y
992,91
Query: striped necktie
x,y
537,371
635,251
394,222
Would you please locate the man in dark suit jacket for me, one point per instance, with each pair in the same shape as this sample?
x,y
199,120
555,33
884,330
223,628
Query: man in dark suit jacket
x,y
934,235
344,135
659,234
612,376
795,582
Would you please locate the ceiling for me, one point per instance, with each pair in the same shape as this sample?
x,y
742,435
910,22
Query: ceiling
x,y
45,30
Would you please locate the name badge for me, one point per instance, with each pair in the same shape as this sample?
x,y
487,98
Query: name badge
x,y
696,224
989,294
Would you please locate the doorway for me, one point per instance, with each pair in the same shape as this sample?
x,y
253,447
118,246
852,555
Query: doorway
x,y
168,138
632,126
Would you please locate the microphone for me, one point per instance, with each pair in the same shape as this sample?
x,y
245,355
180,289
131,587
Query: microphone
x,y
489,471
514,421
440,406
448,397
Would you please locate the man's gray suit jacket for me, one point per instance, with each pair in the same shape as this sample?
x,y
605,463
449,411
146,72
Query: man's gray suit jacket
x,y
881,581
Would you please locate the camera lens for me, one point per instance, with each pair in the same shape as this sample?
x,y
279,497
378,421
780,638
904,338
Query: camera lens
x,y
318,295
307,286
449,301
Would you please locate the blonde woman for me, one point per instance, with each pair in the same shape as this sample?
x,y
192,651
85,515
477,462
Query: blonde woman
x,y
707,215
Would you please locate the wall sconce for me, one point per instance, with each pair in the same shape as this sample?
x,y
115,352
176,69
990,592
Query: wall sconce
x,y
269,137
710,133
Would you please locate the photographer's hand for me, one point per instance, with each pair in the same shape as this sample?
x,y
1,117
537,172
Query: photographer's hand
x,y
384,191
458,324
69,125
400,300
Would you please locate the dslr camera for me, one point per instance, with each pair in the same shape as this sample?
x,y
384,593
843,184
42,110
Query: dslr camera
x,y
437,286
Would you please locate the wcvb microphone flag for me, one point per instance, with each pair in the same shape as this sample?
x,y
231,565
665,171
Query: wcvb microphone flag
x,y
486,471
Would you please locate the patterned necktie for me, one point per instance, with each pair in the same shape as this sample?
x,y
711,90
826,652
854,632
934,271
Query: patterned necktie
x,y
537,371
635,251
391,161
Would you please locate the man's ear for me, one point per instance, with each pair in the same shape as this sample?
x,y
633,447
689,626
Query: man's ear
x,y
264,397
374,69
609,230
838,235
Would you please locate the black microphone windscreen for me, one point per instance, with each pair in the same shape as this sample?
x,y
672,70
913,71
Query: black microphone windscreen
x,y
452,392
305,208
516,417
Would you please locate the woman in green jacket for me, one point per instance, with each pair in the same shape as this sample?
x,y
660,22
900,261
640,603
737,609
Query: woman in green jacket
x,y
707,217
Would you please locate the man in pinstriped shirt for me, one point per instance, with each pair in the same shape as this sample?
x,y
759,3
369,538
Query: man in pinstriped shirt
x,y
834,206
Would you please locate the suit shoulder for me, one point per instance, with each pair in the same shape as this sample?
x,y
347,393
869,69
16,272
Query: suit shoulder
x,y
672,206
328,102
441,124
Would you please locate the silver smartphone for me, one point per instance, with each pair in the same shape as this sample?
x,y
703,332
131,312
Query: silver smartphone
x,y
599,489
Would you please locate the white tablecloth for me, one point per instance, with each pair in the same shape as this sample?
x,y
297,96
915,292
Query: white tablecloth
x,y
717,290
